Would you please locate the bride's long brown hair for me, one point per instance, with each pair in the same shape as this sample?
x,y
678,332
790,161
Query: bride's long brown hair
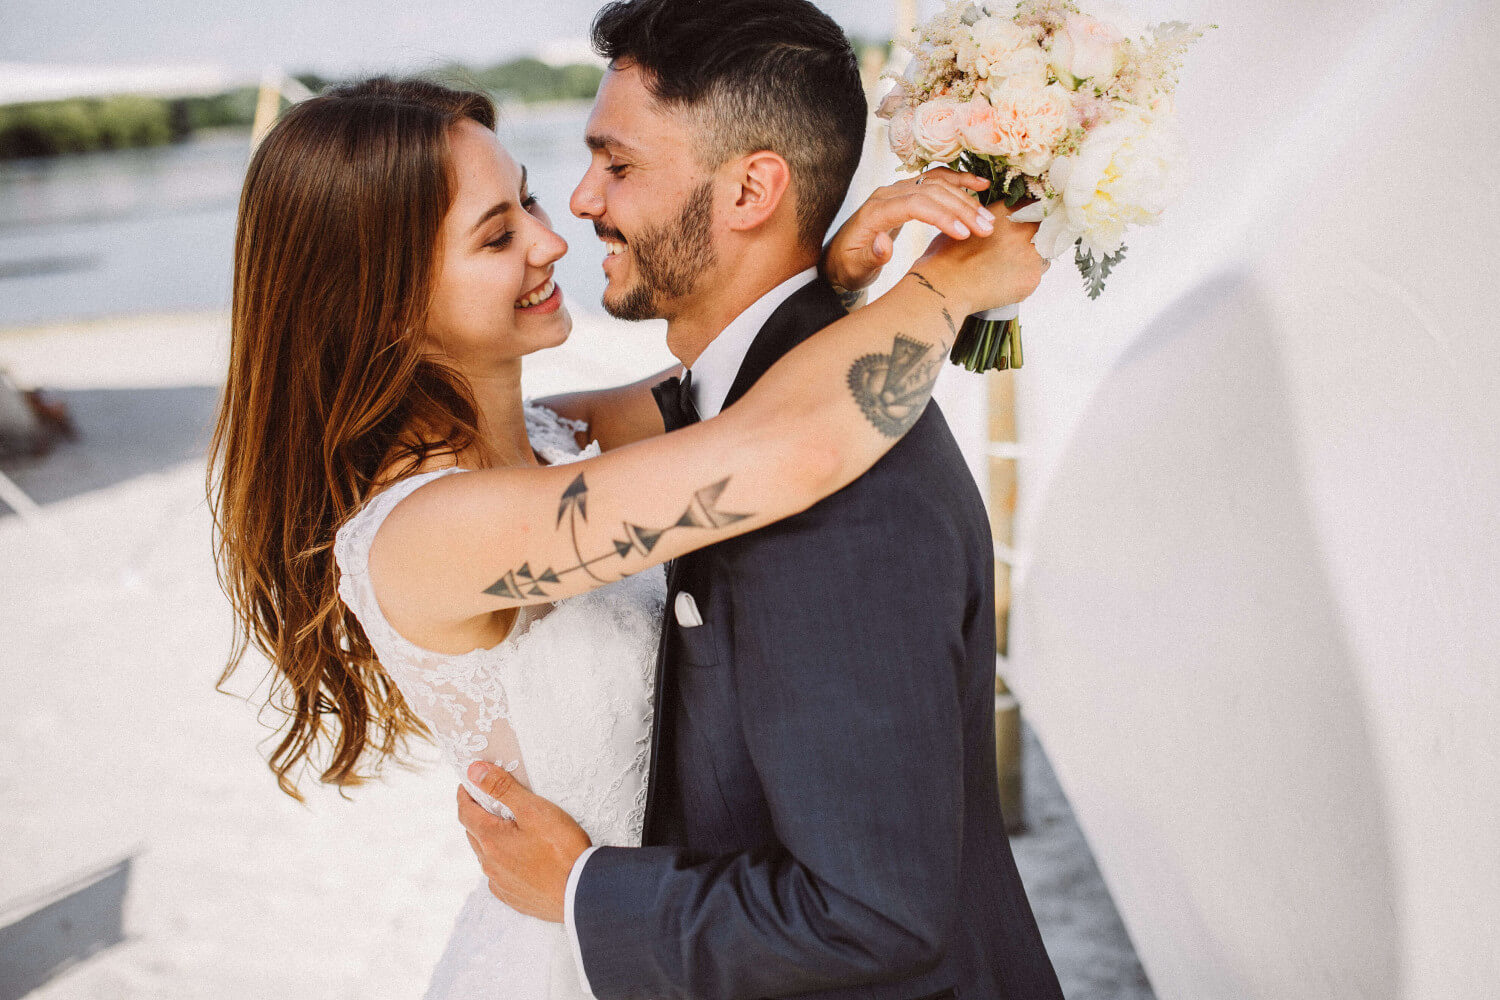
x,y
335,259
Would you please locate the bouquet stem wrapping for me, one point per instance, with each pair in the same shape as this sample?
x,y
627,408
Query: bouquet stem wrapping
x,y
991,339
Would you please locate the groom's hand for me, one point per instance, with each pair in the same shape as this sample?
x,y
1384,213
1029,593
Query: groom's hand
x,y
866,242
526,860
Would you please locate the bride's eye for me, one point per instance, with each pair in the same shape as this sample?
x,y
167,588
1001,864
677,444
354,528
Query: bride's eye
x,y
502,241
530,201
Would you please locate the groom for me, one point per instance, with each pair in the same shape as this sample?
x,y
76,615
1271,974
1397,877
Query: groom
x,y
823,815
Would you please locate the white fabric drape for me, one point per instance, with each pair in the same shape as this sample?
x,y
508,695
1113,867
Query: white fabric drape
x,y
1257,624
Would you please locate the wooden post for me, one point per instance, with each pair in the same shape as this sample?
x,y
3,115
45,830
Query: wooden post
x,y
1002,505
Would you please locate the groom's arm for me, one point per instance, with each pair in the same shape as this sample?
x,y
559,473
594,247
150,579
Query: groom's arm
x,y
848,656
616,416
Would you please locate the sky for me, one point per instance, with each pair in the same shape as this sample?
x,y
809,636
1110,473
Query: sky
x,y
330,36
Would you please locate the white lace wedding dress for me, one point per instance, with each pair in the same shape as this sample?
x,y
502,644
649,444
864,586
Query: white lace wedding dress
x,y
564,701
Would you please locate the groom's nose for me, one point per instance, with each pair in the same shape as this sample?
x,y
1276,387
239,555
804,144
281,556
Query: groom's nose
x,y
588,197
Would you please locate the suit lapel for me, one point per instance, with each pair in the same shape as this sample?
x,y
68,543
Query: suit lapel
x,y
804,313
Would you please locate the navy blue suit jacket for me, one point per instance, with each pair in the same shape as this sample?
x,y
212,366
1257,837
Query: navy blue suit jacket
x,y
824,814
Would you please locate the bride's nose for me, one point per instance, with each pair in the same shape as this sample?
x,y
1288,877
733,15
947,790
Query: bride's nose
x,y
546,248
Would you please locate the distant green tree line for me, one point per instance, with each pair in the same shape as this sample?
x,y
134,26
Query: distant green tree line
x,y
531,81
83,125
86,124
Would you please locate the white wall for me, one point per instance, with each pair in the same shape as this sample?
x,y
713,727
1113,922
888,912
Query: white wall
x,y
1256,628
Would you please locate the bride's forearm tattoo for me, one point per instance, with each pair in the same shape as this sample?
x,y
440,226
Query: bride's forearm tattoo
x,y
922,280
701,512
893,389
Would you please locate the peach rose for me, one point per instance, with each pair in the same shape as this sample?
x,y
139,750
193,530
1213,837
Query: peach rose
x,y
935,127
903,139
979,125
893,102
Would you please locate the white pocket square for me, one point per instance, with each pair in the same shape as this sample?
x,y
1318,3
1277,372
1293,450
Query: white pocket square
x,y
687,610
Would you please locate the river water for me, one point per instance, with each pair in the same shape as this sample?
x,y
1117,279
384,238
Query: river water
x,y
144,231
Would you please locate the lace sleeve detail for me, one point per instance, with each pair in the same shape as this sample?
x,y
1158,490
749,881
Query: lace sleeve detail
x,y
461,698
554,436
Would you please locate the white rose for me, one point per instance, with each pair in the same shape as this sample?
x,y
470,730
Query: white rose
x,y
935,127
1085,48
1123,174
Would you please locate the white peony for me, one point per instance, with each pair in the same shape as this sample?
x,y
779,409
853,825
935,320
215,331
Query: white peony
x,y
1085,48
1025,126
988,42
1025,67
1123,174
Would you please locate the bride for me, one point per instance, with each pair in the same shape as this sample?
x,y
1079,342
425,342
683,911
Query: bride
x,y
417,550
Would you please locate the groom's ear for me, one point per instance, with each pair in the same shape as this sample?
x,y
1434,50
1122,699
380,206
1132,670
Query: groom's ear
x,y
761,183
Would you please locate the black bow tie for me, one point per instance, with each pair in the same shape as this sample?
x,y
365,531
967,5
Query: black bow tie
x,y
674,398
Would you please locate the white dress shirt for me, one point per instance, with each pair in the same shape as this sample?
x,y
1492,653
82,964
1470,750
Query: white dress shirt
x,y
713,376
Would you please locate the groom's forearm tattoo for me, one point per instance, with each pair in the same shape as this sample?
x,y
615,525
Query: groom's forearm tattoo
x,y
701,512
892,389
852,300
948,318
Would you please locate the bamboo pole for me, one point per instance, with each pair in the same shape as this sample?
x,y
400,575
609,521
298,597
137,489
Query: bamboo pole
x,y
267,105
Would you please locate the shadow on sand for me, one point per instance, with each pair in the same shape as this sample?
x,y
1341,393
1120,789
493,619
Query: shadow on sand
x,y
122,433
62,927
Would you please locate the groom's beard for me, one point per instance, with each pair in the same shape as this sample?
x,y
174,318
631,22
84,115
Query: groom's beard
x,y
668,259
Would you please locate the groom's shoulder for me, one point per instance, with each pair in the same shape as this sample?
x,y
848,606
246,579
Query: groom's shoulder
x,y
928,450
921,487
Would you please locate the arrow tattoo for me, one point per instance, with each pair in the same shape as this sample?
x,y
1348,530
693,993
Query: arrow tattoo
x,y
702,512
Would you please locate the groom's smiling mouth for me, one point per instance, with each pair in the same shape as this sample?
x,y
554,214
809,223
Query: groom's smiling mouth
x,y
614,241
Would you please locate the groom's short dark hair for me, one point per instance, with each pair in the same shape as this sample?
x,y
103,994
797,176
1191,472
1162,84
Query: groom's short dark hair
x,y
765,74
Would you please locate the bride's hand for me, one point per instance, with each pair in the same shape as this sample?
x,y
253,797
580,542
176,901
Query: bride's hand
x,y
940,197
987,272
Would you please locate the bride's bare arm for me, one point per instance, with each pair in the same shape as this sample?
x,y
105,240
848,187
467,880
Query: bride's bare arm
x,y
463,546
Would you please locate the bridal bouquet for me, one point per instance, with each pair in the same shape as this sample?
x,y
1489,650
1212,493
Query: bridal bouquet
x,y
1052,104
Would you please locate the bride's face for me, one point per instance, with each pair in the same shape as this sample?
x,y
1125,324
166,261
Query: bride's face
x,y
494,299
